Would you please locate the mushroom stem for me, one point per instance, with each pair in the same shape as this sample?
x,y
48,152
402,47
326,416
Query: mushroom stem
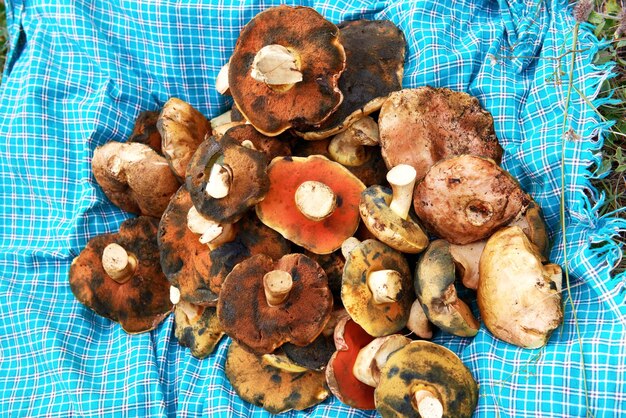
x,y
402,180
275,65
118,263
385,285
220,120
221,82
315,200
348,245
428,405
174,295
219,182
348,147
212,233
277,285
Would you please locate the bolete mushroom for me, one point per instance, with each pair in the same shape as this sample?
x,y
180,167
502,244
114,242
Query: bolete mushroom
x,y
425,380
197,328
273,389
519,297
118,276
466,198
265,303
285,69
434,287
312,202
377,289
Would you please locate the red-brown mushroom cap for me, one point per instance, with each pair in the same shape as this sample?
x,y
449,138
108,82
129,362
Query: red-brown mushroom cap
x,y
141,302
270,146
280,212
319,56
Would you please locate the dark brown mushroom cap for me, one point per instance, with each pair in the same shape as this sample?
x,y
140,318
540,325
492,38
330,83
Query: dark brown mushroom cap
x,y
404,235
313,356
142,302
315,41
270,146
269,387
425,364
145,130
333,267
466,198
249,181
375,51
377,319
421,126
247,318
200,334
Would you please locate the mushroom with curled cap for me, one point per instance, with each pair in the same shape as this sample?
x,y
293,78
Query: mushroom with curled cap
x,y
426,380
466,198
312,202
424,125
197,328
519,297
377,287
386,212
182,129
118,276
285,68
265,303
134,177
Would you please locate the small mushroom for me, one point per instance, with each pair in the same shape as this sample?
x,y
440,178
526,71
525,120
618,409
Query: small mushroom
x,y
426,380
377,289
386,213
466,198
119,277
285,69
350,147
145,130
273,389
312,202
434,286
134,177
265,303
519,297
197,328
182,129
373,357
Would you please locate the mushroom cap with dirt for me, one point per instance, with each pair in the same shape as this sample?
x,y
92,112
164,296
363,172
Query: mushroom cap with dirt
x,y
119,277
273,389
424,125
466,198
197,328
134,177
285,69
519,297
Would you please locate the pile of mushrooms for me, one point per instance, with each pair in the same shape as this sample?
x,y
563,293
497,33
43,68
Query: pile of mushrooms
x,y
324,224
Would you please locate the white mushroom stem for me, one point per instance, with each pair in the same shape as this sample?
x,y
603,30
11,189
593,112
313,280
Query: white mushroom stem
x,y
174,295
221,82
402,180
211,233
315,200
348,147
385,285
275,65
277,285
219,182
348,245
428,405
118,263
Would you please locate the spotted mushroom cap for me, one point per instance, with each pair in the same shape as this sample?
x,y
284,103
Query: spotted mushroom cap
x,y
197,328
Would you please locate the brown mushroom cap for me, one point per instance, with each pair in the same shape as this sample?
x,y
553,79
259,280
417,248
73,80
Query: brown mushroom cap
x,y
315,44
145,130
423,365
333,267
247,317
375,52
466,198
519,298
270,146
140,303
134,177
377,319
422,126
200,332
271,388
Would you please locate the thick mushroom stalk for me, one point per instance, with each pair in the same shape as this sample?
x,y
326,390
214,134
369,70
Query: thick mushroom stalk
x,y
118,263
277,285
276,65
402,180
211,233
385,285
221,82
349,147
315,200
220,179
427,404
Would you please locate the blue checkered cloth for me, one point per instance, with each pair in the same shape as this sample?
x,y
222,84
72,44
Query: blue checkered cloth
x,y
79,73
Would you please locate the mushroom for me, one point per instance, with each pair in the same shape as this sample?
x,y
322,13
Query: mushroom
x,y
373,357
145,130
313,356
226,179
265,303
182,129
279,360
418,322
134,177
519,298
312,202
426,380
386,213
375,51
285,68
118,276
197,328
273,389
350,147
424,125
434,286
272,147
377,289
466,198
